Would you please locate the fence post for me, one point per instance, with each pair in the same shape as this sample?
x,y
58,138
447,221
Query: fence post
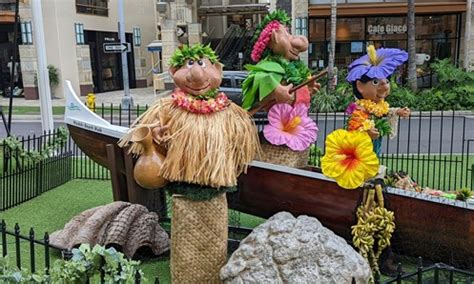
x,y
17,246
419,270
46,252
436,274
32,250
3,228
101,269
399,273
137,277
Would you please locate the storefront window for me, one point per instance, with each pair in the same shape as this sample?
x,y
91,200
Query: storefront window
x,y
437,37
347,29
93,7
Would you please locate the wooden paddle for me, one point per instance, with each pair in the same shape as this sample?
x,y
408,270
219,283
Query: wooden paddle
x,y
313,78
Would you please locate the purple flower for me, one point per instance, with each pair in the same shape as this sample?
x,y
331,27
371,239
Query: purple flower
x,y
351,108
388,59
290,126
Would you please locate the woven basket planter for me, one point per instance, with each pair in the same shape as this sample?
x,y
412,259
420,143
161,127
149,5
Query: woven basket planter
x,y
282,155
198,239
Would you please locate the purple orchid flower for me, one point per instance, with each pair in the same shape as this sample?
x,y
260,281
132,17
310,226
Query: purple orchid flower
x,y
351,108
388,59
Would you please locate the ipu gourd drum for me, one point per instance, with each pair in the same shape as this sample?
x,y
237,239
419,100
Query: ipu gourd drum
x,y
148,165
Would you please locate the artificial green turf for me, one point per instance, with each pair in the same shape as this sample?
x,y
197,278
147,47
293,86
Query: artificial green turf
x,y
52,210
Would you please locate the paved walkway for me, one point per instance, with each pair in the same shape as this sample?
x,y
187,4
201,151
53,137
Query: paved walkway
x,y
140,96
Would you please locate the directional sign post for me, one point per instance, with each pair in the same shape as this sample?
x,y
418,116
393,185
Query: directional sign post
x,y
117,47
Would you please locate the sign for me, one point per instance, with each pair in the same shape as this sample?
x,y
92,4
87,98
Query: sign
x,y
116,47
387,29
357,46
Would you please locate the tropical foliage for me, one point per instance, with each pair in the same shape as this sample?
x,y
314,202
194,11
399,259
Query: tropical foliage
x,y
16,150
454,90
86,263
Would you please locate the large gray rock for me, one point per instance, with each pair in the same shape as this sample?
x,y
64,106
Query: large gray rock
x,y
286,249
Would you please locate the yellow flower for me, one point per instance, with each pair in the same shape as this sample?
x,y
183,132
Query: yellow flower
x,y
367,124
349,158
378,109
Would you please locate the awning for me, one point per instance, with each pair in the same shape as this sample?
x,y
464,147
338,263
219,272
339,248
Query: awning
x,y
155,46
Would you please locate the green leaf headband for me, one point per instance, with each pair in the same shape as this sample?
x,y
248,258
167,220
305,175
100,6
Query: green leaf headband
x,y
194,52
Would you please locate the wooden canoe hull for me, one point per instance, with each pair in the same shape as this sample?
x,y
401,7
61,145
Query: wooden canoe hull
x,y
433,230
263,192
436,231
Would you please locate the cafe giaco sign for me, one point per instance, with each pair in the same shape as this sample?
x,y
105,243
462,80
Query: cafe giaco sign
x,y
386,29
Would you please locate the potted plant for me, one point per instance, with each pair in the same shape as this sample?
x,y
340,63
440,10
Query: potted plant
x,y
53,77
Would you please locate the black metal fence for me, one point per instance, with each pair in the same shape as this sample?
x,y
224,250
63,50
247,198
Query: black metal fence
x,y
434,274
435,148
37,255
32,165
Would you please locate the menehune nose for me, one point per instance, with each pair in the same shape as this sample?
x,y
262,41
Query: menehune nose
x,y
300,43
196,74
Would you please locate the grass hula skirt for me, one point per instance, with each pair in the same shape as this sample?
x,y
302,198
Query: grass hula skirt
x,y
204,149
208,150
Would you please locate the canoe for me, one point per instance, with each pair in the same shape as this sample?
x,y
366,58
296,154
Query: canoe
x,y
434,228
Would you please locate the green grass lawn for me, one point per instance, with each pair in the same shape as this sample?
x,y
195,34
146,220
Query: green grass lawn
x,y
52,210
443,172
31,110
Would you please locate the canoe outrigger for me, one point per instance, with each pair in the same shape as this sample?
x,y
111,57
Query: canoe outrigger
x,y
435,228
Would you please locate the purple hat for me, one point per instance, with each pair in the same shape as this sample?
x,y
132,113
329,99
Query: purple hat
x,y
376,64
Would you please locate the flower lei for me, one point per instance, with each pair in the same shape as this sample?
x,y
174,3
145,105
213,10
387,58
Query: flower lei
x,y
263,40
200,105
378,109
366,114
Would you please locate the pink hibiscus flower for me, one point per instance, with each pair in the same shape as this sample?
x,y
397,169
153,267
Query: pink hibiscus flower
x,y
290,126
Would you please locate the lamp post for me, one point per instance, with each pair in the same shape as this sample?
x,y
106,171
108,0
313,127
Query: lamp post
x,y
127,100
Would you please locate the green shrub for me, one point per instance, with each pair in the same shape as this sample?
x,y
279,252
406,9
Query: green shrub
x,y
401,96
455,90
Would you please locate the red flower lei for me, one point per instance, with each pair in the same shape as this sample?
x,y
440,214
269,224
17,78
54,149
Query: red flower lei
x,y
201,106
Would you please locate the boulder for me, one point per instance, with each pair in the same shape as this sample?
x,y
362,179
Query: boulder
x,y
286,249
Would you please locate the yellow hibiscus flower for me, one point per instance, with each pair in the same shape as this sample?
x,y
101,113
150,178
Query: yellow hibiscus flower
x,y
349,158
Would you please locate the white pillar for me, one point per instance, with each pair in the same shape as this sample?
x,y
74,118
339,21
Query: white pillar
x,y
44,89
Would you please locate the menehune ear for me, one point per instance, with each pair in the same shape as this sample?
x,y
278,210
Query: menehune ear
x,y
219,66
172,70
359,86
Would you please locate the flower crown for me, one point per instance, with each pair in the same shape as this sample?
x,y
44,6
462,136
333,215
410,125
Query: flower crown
x,y
376,64
194,52
263,32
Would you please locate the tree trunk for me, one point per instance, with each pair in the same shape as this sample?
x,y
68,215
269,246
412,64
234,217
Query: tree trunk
x,y
332,46
412,82
467,35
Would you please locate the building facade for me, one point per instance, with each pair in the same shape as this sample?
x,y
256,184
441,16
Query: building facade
x,y
440,30
75,34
